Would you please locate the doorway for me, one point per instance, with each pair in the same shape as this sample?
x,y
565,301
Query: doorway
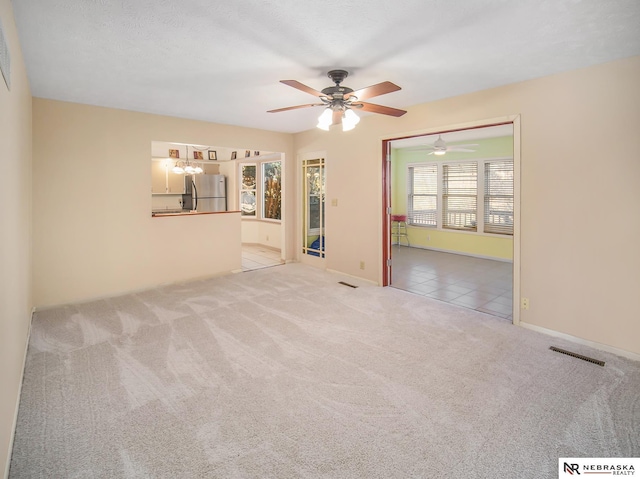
x,y
458,189
313,182
260,198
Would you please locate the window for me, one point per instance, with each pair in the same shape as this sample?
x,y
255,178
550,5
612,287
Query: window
x,y
498,197
261,190
272,188
423,195
474,196
460,196
248,190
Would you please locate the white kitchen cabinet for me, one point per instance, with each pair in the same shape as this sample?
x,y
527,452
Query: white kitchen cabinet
x,y
163,179
211,168
175,183
158,176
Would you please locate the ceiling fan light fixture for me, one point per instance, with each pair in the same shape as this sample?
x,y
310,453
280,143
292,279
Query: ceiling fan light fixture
x,y
325,119
439,152
349,120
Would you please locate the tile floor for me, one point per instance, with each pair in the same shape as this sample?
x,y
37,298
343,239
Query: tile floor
x,y
256,257
481,284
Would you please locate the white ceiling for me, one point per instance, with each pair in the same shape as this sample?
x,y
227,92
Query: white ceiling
x,y
221,61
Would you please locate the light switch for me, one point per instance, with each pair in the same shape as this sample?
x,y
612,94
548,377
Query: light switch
x,y
334,202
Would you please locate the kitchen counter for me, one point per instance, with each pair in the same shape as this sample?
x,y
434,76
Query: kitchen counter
x,y
190,213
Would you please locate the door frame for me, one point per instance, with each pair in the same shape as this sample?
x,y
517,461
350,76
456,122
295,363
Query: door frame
x,y
386,267
314,261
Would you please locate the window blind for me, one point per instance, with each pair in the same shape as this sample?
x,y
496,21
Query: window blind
x,y
498,197
423,195
460,196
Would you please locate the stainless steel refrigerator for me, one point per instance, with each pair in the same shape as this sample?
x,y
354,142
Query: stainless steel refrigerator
x,y
205,193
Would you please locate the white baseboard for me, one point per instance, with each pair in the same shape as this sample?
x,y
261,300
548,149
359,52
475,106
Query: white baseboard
x,y
584,342
374,283
15,414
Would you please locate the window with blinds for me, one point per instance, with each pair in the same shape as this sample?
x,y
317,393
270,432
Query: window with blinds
x,y
423,195
498,197
460,196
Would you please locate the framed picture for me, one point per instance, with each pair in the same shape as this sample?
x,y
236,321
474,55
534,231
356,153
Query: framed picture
x,y
213,155
197,155
247,153
174,153
256,153
234,155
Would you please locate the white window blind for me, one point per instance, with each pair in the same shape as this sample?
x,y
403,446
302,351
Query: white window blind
x,y
460,196
423,195
498,197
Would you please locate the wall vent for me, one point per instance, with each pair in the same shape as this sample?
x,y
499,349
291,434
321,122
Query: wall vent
x,y
576,355
347,284
5,58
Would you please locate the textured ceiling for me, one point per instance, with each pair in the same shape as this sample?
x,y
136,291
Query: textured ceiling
x,y
221,61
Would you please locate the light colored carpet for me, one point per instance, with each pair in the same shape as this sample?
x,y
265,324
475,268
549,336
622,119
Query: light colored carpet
x,y
283,372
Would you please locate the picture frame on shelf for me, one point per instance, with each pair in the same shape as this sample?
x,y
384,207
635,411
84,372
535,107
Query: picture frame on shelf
x,y
174,153
247,153
256,153
234,155
213,156
197,155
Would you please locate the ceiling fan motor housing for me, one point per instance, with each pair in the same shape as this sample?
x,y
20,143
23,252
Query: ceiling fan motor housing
x,y
338,76
337,92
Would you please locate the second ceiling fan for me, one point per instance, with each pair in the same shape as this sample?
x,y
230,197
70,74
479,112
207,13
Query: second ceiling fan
x,y
339,101
440,147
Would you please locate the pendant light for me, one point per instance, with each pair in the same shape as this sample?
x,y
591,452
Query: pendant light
x,y
186,166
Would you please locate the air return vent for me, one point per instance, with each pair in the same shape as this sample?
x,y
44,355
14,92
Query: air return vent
x,y
5,59
347,284
576,355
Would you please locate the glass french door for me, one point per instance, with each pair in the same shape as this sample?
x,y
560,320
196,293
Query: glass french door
x,y
313,199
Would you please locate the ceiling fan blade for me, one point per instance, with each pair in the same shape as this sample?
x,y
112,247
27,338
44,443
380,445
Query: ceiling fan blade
x,y
295,107
385,110
465,145
419,148
337,117
302,87
374,90
453,148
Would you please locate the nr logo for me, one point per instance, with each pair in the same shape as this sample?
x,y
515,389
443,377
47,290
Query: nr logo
x,y
571,468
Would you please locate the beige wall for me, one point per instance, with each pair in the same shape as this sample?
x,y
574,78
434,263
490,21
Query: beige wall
x,y
93,232
580,194
15,232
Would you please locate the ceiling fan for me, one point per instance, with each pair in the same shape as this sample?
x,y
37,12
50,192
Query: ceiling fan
x,y
339,101
440,147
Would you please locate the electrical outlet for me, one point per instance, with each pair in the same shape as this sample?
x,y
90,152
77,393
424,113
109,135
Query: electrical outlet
x,y
361,264
525,303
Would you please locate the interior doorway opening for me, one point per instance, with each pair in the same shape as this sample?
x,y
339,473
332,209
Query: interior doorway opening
x,y
457,191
